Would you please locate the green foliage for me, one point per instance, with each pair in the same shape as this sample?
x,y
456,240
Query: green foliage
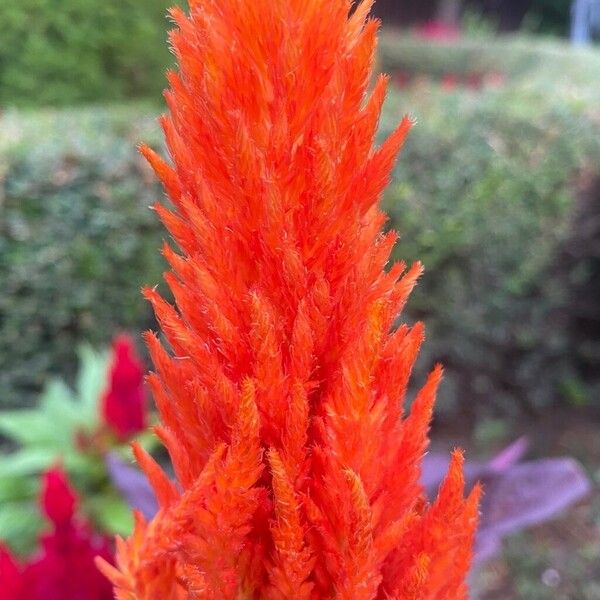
x,y
64,427
77,239
37,430
474,23
490,192
552,69
81,50
549,17
43,436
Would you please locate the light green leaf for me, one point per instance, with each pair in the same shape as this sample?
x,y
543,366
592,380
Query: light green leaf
x,y
28,427
91,380
84,467
148,440
111,513
20,523
32,461
18,489
56,390
38,428
57,399
28,461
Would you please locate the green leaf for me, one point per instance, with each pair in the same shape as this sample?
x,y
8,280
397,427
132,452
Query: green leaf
x,y
18,489
56,390
36,428
28,461
20,524
20,425
147,440
86,468
91,379
59,407
111,513
32,461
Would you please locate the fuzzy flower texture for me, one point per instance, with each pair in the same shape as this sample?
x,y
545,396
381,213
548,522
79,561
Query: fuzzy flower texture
x,y
281,395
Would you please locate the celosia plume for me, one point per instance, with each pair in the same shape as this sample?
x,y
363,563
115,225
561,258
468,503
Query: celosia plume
x,y
281,396
124,402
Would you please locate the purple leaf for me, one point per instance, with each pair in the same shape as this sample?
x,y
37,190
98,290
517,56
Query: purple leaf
x,y
510,456
487,545
531,493
515,495
435,466
132,484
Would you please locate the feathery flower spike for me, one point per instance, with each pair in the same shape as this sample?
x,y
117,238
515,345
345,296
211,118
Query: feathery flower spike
x,y
281,391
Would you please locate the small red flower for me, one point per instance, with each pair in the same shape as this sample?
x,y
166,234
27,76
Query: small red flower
x,y
58,498
124,403
438,31
11,577
63,567
401,79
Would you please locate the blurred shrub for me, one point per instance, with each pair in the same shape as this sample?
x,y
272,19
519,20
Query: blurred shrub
x,y
77,239
81,50
495,193
552,69
549,17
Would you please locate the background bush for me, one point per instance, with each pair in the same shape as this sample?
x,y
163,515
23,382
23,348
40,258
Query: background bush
x,y
77,239
81,51
498,192
550,69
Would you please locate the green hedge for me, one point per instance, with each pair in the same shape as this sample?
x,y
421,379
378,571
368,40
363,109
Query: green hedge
x,y
58,53
497,192
494,192
77,239
549,68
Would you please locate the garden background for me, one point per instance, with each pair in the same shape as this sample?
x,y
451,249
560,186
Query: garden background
x,y
497,192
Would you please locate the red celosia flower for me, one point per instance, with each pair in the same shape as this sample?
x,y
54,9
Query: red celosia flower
x,y
124,403
281,400
63,568
11,576
438,31
450,81
58,498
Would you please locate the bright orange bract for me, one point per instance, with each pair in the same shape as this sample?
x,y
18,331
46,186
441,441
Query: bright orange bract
x,y
281,396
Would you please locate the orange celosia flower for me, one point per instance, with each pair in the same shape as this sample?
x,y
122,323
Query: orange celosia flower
x,y
281,397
